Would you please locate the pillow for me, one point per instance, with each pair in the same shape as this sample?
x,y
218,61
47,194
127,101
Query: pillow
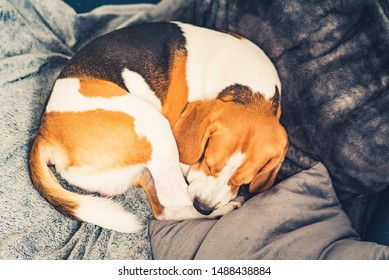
x,y
299,218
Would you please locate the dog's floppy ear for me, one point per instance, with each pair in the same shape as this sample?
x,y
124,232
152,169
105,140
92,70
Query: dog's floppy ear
x,y
192,131
265,178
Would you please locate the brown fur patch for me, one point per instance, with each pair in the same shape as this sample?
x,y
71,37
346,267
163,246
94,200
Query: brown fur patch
x,y
177,94
147,183
92,87
210,132
46,183
97,138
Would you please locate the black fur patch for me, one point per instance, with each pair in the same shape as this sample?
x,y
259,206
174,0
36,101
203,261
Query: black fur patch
x,y
237,93
244,95
275,101
146,49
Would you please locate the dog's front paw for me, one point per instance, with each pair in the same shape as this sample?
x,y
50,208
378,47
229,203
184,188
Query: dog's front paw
x,y
179,213
238,201
229,207
161,217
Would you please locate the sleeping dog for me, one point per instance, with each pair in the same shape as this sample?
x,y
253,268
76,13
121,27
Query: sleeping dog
x,y
187,113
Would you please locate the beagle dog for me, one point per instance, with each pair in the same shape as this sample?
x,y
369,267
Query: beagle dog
x,y
187,113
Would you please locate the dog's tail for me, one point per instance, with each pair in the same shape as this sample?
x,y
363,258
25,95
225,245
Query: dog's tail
x,y
96,210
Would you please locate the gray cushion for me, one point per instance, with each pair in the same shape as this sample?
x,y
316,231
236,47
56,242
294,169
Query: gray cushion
x,y
300,218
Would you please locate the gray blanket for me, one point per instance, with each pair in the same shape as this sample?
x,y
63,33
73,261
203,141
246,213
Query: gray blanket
x,y
37,38
333,111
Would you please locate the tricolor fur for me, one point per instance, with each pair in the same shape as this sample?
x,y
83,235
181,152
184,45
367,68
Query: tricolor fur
x,y
133,104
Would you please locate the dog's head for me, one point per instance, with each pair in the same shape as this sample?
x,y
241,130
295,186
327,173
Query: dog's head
x,y
230,141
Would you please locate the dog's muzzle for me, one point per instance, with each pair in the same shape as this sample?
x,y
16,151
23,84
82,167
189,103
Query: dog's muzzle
x,y
201,208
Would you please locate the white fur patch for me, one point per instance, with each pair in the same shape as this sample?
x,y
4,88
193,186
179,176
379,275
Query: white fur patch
x,y
217,60
214,191
111,182
66,97
137,85
106,213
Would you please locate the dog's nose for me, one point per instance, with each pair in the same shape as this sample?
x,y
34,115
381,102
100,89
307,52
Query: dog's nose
x,y
201,208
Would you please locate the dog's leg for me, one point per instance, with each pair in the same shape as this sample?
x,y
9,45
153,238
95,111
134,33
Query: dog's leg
x,y
168,180
189,212
170,183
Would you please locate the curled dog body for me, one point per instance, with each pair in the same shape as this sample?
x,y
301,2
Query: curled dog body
x,y
134,103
